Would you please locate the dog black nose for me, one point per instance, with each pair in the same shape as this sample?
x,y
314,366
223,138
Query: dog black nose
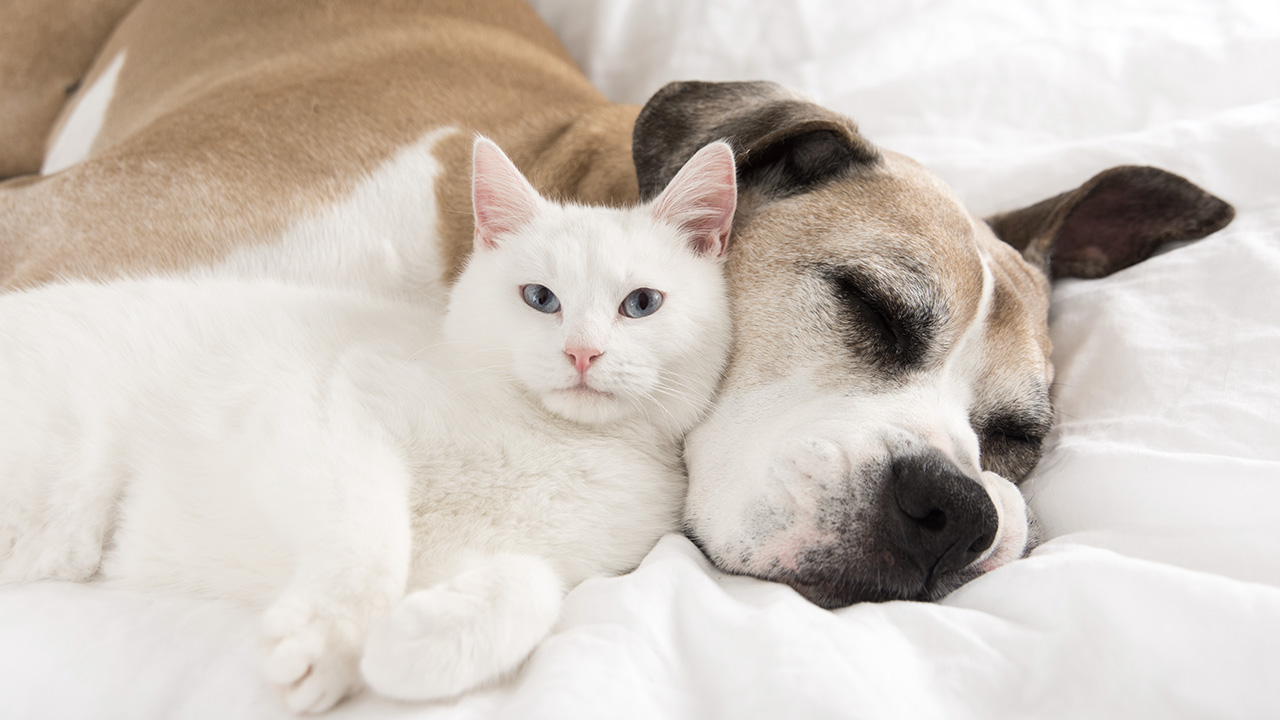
x,y
944,519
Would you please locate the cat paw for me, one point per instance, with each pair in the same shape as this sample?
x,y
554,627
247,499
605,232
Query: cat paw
x,y
312,656
463,634
418,651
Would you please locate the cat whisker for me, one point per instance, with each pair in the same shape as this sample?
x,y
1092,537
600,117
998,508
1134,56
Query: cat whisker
x,y
679,391
473,371
649,395
416,353
643,409
710,409
445,343
678,388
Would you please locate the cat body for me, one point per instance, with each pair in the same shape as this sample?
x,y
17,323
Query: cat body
x,y
488,449
407,495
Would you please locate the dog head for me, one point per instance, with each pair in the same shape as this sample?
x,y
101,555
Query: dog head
x,y
890,378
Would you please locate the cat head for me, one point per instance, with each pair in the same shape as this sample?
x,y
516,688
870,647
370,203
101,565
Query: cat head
x,y
602,314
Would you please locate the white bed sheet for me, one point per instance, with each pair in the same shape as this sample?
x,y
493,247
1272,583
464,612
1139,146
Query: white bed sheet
x,y
1158,594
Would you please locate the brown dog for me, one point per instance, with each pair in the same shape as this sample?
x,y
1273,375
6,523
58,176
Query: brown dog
x,y
891,374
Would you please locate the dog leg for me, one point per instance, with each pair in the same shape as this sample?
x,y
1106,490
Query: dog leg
x,y
470,630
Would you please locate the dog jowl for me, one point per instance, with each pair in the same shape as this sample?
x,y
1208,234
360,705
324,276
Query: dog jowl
x,y
890,380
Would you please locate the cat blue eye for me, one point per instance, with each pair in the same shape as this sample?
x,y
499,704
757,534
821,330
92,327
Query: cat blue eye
x,y
540,298
641,303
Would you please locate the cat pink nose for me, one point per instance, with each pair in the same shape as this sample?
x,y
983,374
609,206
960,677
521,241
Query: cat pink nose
x,y
582,357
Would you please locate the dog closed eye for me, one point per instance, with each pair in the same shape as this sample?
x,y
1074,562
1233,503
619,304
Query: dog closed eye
x,y
886,326
870,314
1012,443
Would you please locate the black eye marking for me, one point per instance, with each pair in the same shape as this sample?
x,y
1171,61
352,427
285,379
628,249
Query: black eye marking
x,y
869,313
1012,441
1016,434
894,326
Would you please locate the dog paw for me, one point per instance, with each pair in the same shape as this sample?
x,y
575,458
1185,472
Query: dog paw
x,y
312,656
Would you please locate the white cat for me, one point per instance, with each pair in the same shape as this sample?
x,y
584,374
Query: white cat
x,y
410,499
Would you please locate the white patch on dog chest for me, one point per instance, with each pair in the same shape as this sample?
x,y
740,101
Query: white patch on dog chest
x,y
382,237
76,138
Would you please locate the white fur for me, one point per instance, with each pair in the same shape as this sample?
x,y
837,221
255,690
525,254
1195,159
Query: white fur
x,y
75,140
346,459
380,238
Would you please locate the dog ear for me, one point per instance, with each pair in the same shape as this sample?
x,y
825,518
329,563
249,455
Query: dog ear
x,y
783,143
1118,218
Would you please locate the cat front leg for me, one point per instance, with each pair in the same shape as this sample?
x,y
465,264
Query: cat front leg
x,y
61,478
466,632
350,526
314,641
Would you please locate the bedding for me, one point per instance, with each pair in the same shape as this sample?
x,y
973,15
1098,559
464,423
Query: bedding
x,y
1157,592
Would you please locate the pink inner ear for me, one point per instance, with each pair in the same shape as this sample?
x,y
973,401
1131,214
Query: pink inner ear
x,y
701,199
502,199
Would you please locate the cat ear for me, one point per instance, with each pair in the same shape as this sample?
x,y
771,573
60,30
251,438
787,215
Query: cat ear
x,y
503,200
701,198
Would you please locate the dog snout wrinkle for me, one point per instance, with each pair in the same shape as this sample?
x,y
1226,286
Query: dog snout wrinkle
x,y
944,519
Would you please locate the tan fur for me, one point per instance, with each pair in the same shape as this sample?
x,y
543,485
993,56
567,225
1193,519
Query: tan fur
x,y
46,47
883,217
209,106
